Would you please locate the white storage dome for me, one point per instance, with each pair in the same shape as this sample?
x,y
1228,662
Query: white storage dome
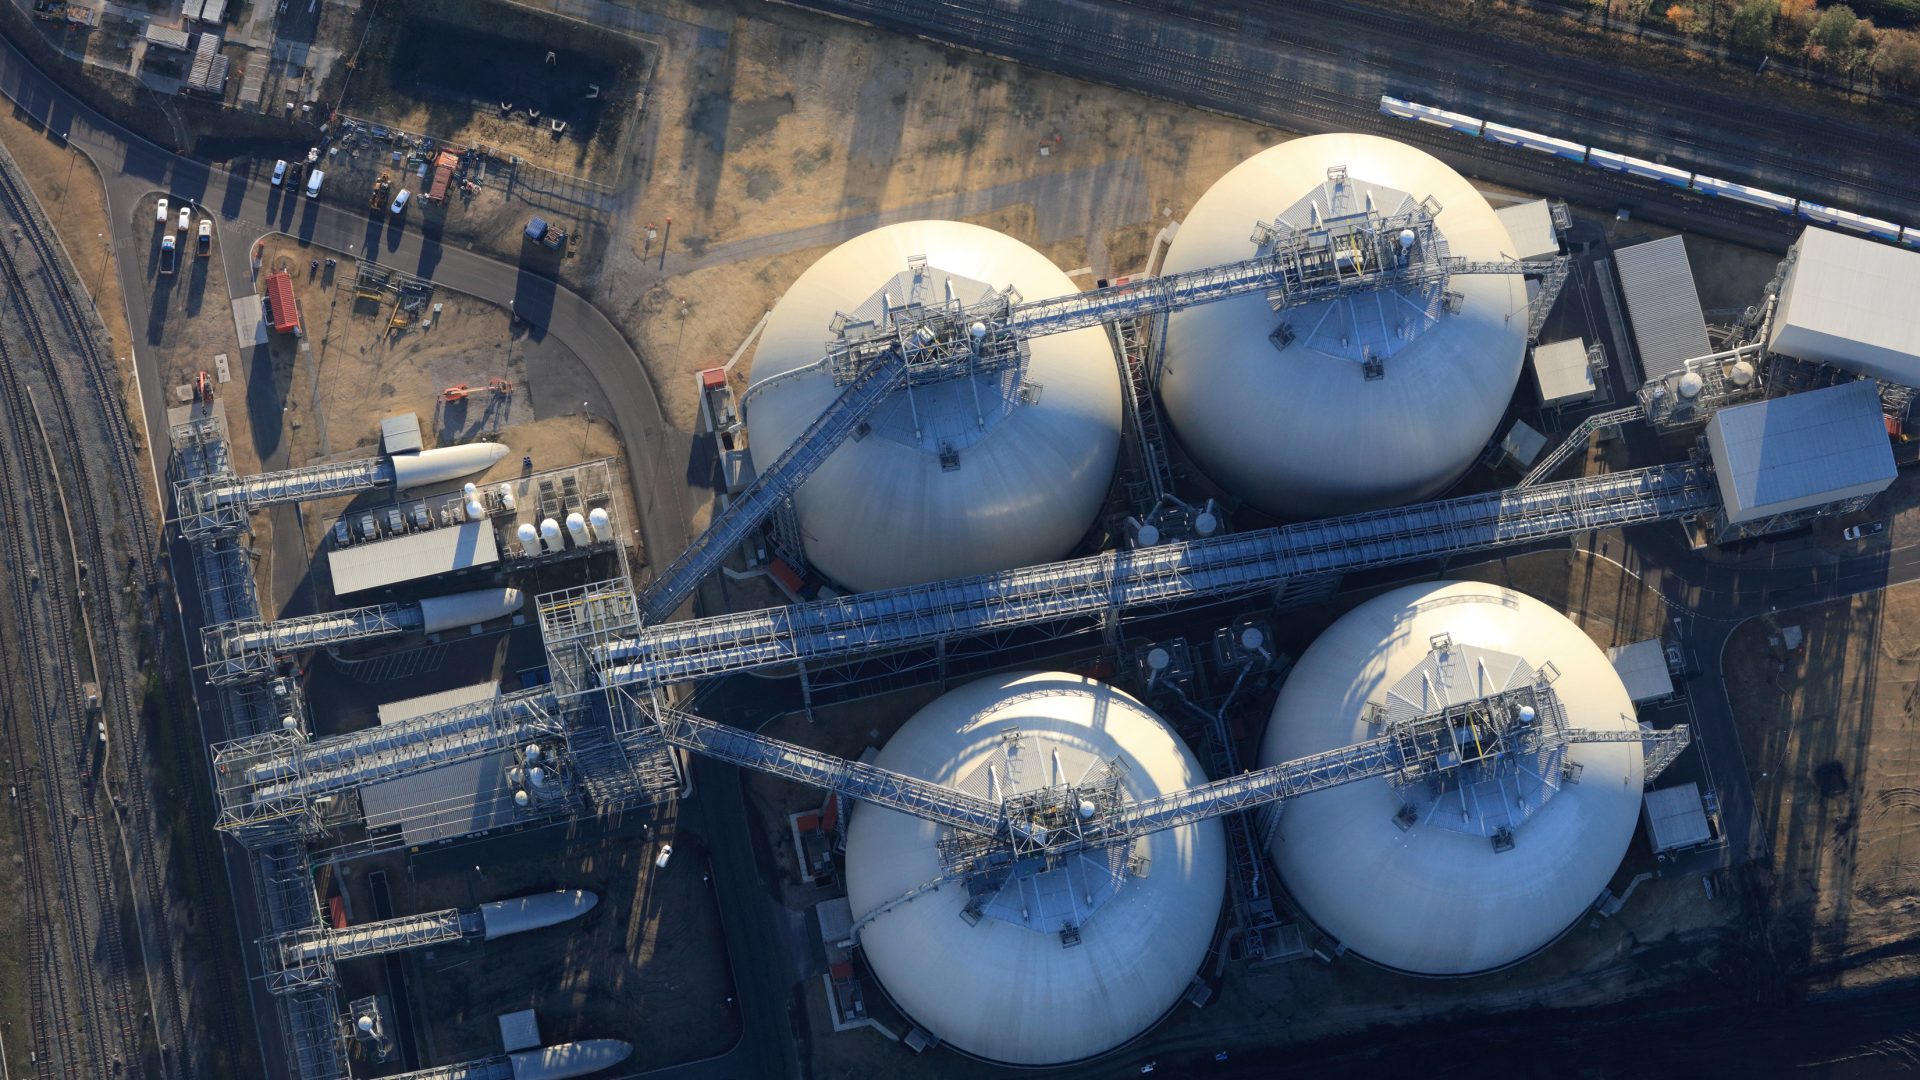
x,y
1431,893
1005,986
967,476
1300,431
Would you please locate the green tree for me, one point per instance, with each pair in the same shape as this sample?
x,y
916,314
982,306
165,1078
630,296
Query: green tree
x,y
1833,33
1751,29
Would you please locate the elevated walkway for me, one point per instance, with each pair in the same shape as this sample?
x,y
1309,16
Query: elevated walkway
x,y
246,649
210,503
1168,573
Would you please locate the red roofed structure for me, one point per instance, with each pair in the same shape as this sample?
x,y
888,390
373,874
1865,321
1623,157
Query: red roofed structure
x,y
281,306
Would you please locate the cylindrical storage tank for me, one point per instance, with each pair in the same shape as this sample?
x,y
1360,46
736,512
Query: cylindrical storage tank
x,y
550,534
1415,878
602,523
498,918
444,463
1299,429
566,1060
529,539
964,476
1740,374
475,512
577,528
1005,986
1691,384
465,609
505,491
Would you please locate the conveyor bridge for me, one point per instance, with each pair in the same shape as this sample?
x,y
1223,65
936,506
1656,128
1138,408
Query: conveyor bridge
x,y
246,649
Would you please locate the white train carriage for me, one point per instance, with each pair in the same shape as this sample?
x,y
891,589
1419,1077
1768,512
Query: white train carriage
x,y
1633,166
1846,219
1910,235
1427,114
1533,140
1727,189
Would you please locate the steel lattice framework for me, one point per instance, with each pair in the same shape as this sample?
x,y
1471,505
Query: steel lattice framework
x,y
247,648
918,343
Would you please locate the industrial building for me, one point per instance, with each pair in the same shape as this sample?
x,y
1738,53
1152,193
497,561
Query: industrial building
x,y
1487,860
1058,965
1002,466
1365,400
1848,301
944,426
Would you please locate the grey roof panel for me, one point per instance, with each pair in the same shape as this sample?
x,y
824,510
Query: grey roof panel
x,y
416,555
1642,666
1531,226
1561,372
444,802
1676,818
1800,451
1662,304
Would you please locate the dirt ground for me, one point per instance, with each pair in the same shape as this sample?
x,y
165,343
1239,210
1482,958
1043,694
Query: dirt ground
x,y
1829,735
647,965
803,131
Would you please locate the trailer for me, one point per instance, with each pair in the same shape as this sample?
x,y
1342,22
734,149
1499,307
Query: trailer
x,y
443,169
382,188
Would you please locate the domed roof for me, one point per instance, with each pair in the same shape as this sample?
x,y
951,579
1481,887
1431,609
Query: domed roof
x,y
1290,420
1415,878
1001,981
967,476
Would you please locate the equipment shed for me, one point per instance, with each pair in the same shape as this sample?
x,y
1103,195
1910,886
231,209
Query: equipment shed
x,y
1530,224
1849,301
1642,667
412,557
1668,326
426,704
1561,370
280,303
1676,818
1800,451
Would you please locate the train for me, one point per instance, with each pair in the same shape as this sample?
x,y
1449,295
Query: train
x,y
1596,157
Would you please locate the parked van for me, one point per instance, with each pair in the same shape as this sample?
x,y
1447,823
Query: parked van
x,y
313,183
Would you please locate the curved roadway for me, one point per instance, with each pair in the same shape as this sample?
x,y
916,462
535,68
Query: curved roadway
x,y
247,207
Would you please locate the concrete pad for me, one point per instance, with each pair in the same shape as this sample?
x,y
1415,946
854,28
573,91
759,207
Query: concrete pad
x,y
249,321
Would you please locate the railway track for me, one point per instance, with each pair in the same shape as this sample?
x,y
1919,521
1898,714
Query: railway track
x,y
1072,41
54,316
44,637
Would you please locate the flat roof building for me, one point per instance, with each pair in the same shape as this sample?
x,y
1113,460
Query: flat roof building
x,y
444,802
1800,451
1676,818
1642,667
394,712
1561,371
400,433
1849,301
411,557
1668,326
1530,224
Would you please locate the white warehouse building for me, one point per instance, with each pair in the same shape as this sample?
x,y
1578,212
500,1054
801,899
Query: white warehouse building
x,y
1453,877
1049,967
967,476
1280,409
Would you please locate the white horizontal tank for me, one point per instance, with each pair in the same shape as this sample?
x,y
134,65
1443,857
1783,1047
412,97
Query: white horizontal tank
x,y
1413,878
602,523
444,463
522,913
1006,985
1301,431
577,528
563,1061
468,608
550,534
529,539
959,477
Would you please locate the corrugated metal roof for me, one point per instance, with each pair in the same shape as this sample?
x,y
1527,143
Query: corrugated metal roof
x,y
1676,818
408,708
1642,666
444,802
1849,301
1531,226
168,37
1662,305
280,302
1560,371
1799,451
414,556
